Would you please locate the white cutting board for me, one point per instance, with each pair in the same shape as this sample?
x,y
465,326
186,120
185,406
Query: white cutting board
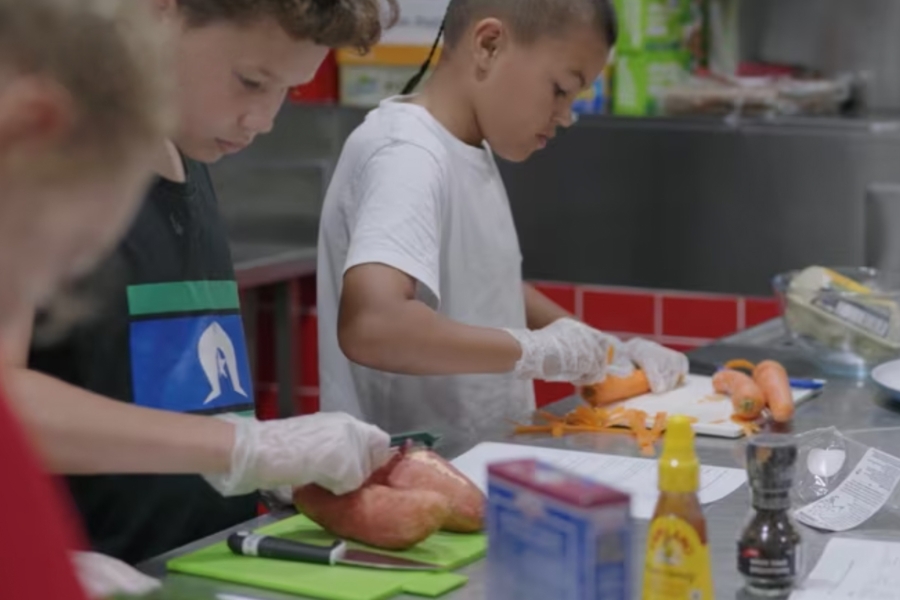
x,y
696,398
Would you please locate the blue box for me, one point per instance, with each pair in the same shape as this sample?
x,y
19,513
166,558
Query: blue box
x,y
553,535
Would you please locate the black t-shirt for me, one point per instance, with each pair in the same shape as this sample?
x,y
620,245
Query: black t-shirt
x,y
168,336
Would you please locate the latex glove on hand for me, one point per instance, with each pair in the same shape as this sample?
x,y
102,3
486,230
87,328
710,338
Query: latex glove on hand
x,y
665,368
104,576
333,450
565,350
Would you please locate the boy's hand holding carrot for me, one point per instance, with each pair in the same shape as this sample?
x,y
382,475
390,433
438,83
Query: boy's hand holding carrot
x,y
665,368
568,350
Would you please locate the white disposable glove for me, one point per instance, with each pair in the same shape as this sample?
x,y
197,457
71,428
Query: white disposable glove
x,y
665,368
565,350
333,450
104,576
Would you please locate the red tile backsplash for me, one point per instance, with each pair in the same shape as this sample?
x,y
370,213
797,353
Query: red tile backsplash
x,y
546,392
265,345
307,292
307,404
760,310
308,345
620,311
266,402
685,323
686,316
562,294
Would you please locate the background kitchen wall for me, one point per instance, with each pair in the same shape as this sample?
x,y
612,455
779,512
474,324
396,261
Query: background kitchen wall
x,y
665,227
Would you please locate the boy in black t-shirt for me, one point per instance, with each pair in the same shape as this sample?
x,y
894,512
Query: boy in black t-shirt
x,y
170,338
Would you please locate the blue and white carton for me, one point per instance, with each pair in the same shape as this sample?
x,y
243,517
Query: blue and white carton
x,y
553,535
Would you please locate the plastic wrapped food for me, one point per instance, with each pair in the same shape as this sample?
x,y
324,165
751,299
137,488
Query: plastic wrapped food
x,y
851,314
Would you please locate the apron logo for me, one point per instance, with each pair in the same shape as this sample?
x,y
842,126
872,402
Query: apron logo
x,y
219,361
191,363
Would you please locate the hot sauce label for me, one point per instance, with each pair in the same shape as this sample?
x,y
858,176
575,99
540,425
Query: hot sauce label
x,y
677,565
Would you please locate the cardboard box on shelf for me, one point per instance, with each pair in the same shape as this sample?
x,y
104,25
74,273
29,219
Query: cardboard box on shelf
x,y
641,78
367,80
418,23
595,100
650,24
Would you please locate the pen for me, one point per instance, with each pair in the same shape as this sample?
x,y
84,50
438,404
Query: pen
x,y
800,383
807,384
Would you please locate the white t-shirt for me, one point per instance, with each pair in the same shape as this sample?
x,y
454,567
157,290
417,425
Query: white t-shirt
x,y
408,194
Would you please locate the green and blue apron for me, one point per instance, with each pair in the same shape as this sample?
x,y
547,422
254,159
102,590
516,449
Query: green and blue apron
x,y
167,334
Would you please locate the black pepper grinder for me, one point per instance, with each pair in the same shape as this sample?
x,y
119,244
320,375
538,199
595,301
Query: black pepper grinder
x,y
769,547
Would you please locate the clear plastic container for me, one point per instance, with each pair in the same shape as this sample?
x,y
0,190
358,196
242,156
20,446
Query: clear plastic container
x,y
846,318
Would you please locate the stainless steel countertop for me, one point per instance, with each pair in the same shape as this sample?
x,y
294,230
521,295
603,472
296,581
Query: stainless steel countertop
x,y
848,405
258,264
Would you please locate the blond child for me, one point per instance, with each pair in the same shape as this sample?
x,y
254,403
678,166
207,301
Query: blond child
x,y
133,389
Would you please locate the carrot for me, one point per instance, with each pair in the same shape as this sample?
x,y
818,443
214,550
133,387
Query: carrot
x,y
772,379
740,364
586,419
749,427
613,389
746,397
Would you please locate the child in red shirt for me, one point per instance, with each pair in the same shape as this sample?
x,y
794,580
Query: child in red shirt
x,y
82,97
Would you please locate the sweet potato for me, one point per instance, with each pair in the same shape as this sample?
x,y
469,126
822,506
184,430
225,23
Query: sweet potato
x,y
376,514
425,470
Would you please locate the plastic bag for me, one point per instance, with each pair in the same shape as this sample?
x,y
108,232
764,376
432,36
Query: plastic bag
x,y
827,457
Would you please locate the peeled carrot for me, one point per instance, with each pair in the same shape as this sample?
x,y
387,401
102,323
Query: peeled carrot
x,y
740,364
613,389
772,379
746,397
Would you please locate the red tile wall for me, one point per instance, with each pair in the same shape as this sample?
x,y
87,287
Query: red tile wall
x,y
680,320
760,310
686,316
619,311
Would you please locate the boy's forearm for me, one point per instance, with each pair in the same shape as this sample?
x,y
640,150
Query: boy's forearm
x,y
540,310
412,339
80,433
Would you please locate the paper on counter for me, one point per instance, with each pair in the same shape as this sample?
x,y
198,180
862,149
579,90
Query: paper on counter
x,y
854,569
636,476
858,497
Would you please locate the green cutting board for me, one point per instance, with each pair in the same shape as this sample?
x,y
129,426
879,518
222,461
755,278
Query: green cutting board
x,y
448,550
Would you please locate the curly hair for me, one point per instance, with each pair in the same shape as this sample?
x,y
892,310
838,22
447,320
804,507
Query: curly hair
x,y
332,23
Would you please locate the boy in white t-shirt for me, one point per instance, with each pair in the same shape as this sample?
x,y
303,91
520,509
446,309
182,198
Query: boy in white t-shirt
x,y
425,322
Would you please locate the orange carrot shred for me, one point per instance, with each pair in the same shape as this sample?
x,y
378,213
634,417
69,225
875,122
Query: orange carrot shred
x,y
588,419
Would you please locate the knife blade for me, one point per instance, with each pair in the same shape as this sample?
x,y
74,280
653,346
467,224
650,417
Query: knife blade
x,y
245,543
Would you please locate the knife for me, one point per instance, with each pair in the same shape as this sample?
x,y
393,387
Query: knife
x,y
245,543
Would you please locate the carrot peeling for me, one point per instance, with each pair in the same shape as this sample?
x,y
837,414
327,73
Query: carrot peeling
x,y
587,419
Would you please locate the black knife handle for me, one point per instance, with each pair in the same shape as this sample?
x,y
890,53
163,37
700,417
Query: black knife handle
x,y
246,543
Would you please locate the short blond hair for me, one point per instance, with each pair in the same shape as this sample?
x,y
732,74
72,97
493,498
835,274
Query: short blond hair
x,y
110,57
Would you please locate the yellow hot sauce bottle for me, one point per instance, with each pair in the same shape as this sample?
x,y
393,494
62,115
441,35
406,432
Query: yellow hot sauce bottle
x,y
677,565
